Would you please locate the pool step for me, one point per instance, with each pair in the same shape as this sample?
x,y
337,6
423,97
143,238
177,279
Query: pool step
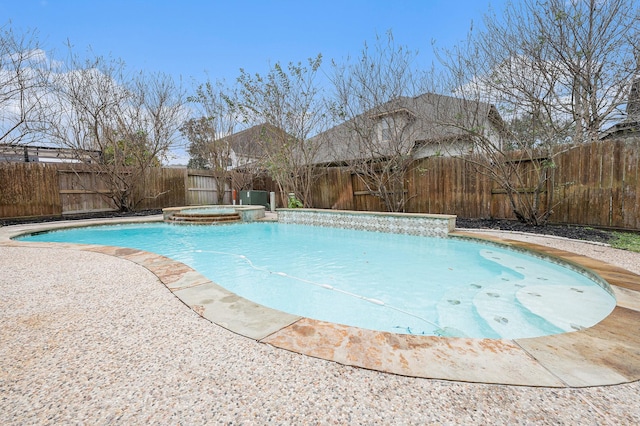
x,y
204,218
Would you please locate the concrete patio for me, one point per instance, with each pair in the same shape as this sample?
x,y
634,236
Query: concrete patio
x,y
90,334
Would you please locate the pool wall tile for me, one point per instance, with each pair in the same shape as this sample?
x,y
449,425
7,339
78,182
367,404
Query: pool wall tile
x,y
400,223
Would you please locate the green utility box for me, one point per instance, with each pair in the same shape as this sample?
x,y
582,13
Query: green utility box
x,y
254,198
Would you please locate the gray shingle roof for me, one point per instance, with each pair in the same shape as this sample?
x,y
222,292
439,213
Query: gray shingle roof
x,y
249,143
434,118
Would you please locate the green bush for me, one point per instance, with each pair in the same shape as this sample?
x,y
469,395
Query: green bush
x,y
626,241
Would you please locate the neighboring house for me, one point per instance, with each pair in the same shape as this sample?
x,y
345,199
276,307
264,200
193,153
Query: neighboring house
x,y
422,126
248,146
45,154
630,126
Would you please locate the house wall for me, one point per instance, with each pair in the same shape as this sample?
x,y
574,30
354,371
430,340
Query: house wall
x,y
435,149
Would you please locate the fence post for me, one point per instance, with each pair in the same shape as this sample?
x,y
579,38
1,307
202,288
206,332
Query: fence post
x,y
186,186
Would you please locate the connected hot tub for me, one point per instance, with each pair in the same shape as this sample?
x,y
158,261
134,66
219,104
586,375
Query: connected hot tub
x,y
213,214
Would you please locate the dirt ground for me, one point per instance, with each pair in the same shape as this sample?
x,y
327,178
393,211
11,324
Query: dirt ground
x,y
567,231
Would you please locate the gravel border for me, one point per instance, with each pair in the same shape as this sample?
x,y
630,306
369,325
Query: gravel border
x,y
89,338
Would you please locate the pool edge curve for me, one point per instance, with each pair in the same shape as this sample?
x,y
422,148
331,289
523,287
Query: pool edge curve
x,y
605,354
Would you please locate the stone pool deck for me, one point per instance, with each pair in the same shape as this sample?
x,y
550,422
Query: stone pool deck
x,y
606,354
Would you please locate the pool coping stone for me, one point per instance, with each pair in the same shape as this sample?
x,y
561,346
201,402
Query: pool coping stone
x,y
605,354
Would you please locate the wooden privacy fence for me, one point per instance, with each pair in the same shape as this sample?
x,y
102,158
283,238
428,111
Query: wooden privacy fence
x,y
40,189
593,184
81,191
202,189
29,189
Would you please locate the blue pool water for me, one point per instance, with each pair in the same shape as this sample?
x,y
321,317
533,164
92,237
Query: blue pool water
x,y
380,281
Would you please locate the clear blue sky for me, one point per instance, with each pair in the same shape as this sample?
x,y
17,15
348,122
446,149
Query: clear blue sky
x,y
199,38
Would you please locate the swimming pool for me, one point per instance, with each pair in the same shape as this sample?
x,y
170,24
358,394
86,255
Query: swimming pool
x,y
398,283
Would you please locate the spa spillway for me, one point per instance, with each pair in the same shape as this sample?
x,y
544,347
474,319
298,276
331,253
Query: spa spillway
x,y
212,215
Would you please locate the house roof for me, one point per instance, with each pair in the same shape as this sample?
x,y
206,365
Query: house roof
x,y
630,126
249,143
46,154
435,118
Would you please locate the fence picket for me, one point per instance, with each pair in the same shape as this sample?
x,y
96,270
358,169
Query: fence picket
x,y
594,184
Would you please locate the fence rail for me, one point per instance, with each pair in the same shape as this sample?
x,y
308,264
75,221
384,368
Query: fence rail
x,y
41,189
593,184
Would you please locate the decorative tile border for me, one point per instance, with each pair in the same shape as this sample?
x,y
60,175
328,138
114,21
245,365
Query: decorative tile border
x,y
427,225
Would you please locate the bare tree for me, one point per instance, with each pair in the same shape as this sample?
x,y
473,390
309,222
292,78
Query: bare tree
x,y
24,74
201,135
558,71
590,44
118,125
290,100
375,97
210,146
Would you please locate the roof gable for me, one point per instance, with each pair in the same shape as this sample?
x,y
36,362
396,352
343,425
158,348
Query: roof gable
x,y
249,143
432,117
